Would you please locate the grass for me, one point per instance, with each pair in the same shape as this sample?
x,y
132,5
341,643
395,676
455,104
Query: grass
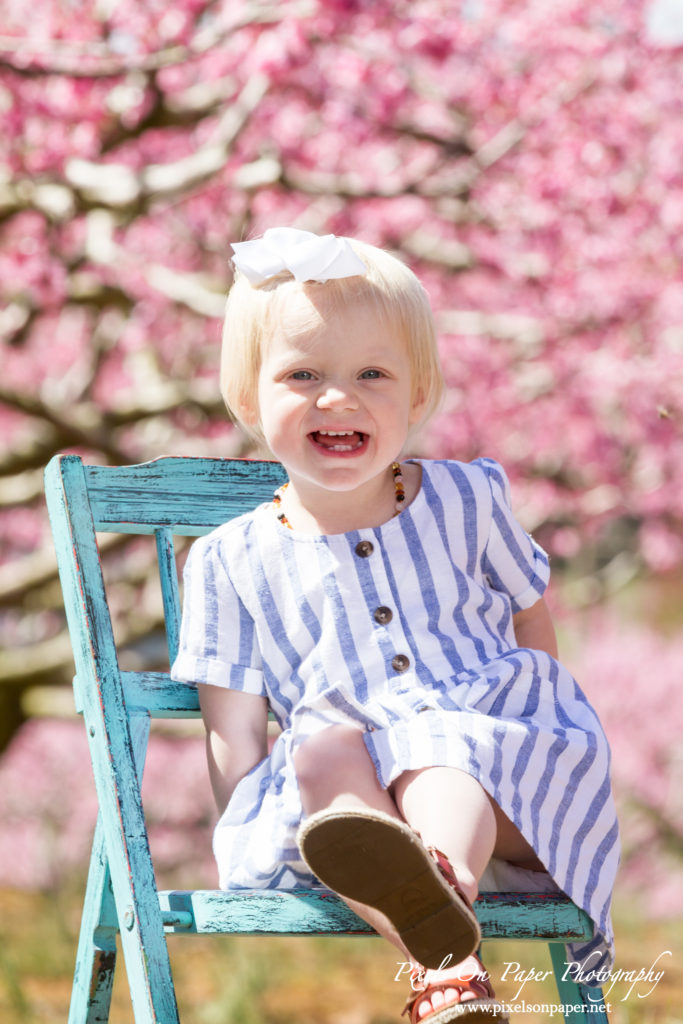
x,y
227,980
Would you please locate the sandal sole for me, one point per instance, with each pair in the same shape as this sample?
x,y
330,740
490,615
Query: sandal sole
x,y
380,862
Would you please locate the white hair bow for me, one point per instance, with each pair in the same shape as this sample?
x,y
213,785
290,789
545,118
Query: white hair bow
x,y
307,256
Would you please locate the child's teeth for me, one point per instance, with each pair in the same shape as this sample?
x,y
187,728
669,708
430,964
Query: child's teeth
x,y
340,446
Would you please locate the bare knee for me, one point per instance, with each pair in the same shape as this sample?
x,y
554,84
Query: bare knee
x,y
332,763
326,753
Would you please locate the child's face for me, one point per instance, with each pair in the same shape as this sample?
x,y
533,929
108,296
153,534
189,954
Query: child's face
x,y
335,398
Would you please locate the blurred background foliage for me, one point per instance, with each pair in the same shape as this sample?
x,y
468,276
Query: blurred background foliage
x,y
525,159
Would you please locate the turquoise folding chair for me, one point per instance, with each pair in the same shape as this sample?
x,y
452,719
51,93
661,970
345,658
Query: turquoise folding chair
x,y
189,497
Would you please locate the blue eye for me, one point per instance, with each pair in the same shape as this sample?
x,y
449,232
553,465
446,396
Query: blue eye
x,y
371,374
301,375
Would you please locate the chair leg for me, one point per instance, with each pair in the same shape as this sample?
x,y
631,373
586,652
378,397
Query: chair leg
x,y
123,900
141,927
573,994
96,957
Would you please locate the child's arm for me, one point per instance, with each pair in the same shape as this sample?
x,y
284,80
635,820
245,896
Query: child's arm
x,y
534,629
236,736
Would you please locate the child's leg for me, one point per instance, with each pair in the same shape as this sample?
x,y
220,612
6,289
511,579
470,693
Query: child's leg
x,y
447,807
453,812
334,771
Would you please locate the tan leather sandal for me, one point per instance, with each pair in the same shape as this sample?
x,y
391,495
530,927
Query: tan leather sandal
x,y
378,860
483,1008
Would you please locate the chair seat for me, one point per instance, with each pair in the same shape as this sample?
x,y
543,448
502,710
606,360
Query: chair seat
x,y
310,912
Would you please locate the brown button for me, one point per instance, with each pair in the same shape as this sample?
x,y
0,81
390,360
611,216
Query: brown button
x,y
364,548
400,662
383,615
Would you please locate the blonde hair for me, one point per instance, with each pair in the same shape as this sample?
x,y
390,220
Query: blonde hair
x,y
253,313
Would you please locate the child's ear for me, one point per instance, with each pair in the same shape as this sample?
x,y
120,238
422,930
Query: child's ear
x,y
248,411
418,406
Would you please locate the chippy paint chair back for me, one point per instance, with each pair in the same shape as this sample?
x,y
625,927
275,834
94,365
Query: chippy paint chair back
x,y
189,497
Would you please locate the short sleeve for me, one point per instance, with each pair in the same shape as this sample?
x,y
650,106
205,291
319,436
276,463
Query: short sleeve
x,y
218,643
513,562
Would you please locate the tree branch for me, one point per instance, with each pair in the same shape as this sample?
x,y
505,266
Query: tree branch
x,y
38,571
171,111
86,430
117,186
92,60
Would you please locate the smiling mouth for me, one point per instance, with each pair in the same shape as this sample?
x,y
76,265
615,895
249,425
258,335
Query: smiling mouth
x,y
339,440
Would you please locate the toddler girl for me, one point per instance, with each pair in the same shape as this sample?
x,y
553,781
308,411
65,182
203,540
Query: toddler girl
x,y
391,615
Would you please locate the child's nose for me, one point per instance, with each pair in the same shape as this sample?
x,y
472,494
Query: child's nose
x,y
337,396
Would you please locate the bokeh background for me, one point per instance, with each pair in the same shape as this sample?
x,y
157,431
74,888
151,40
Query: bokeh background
x,y
526,159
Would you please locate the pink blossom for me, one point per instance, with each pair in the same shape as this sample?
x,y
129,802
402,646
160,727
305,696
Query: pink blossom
x,y
48,806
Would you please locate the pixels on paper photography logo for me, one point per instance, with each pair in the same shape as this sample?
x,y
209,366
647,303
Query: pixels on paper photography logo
x,y
609,986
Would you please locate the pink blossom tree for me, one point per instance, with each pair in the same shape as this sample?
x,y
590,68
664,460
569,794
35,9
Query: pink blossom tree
x,y
526,159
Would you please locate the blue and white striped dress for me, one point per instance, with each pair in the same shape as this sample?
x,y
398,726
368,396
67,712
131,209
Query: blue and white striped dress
x,y
406,631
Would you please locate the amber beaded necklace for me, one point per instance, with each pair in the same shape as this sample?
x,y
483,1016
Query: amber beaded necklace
x,y
399,494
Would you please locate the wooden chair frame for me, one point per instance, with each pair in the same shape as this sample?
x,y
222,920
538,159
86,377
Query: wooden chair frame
x,y
190,497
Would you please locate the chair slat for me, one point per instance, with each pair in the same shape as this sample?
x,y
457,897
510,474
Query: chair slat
x,y
168,577
153,692
190,495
